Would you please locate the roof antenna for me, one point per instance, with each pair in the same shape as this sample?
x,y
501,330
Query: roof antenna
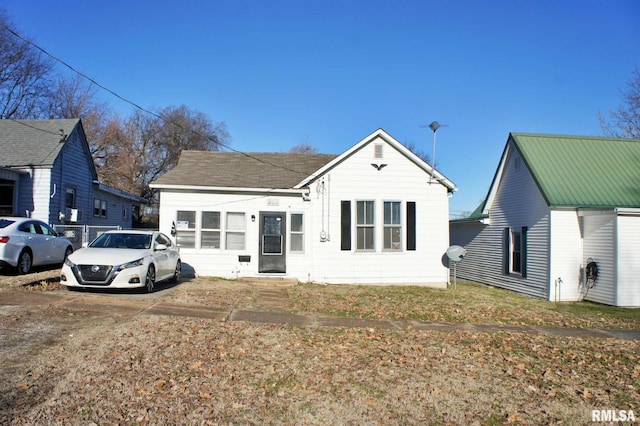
x,y
434,126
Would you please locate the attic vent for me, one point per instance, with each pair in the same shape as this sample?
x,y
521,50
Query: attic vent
x,y
377,150
517,163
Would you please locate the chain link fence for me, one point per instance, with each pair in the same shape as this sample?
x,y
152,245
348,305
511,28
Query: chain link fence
x,y
80,234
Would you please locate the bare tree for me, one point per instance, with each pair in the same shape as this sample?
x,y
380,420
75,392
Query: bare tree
x,y
303,148
625,121
147,146
24,75
411,146
75,98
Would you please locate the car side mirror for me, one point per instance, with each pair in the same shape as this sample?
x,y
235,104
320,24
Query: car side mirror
x,y
161,247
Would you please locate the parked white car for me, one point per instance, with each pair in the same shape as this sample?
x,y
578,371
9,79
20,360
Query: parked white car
x,y
123,259
26,242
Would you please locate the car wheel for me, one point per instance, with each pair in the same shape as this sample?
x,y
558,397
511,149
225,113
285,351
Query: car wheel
x,y
150,280
24,262
67,252
176,275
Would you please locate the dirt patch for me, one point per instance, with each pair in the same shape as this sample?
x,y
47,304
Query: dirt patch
x,y
48,278
79,367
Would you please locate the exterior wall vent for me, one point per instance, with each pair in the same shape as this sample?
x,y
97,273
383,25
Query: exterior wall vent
x,y
377,150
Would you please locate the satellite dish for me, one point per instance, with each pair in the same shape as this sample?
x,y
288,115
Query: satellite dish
x,y
456,253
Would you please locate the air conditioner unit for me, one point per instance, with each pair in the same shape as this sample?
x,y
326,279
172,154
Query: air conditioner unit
x,y
72,215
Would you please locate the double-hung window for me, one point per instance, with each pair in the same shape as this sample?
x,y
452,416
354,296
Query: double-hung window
x,y
235,231
365,226
186,228
392,230
296,237
210,230
99,208
515,251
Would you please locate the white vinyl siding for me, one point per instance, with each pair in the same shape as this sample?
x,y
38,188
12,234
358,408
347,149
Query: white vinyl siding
x,y
599,245
323,259
565,255
628,261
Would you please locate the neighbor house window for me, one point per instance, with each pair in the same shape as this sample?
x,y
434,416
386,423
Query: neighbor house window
x,y
365,228
392,229
296,236
99,208
515,251
70,198
186,228
235,231
6,197
210,230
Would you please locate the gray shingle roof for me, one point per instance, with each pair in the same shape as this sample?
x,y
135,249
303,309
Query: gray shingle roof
x,y
243,170
32,142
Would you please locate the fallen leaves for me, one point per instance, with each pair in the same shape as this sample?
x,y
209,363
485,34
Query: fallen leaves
x,y
178,370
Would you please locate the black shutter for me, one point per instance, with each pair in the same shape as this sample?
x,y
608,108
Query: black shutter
x,y
411,225
345,225
523,252
506,236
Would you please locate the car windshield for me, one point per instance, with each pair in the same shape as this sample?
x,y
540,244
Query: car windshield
x,y
127,241
5,222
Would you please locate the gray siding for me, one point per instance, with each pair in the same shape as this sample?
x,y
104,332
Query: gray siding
x,y
76,171
115,207
517,203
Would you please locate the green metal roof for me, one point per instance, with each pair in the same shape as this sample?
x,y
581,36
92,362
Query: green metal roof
x,y
580,171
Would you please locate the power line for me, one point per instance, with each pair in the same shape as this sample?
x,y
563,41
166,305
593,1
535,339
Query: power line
x,y
135,105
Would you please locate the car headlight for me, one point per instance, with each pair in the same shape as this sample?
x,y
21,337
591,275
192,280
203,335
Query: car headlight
x,y
69,263
132,264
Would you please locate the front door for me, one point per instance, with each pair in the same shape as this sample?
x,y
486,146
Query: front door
x,y
272,256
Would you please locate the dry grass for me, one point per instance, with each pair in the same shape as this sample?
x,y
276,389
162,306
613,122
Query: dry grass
x,y
468,303
60,366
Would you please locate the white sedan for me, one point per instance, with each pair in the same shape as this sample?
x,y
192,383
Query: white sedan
x,y
26,242
123,259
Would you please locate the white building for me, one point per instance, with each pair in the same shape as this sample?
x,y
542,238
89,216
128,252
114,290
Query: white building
x,y
375,214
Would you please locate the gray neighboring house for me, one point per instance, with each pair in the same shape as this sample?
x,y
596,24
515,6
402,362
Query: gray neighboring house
x,y
561,221
47,173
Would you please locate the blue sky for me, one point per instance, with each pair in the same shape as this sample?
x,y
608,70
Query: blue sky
x,y
328,73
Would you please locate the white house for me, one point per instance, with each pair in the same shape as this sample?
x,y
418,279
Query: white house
x,y
375,214
561,221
